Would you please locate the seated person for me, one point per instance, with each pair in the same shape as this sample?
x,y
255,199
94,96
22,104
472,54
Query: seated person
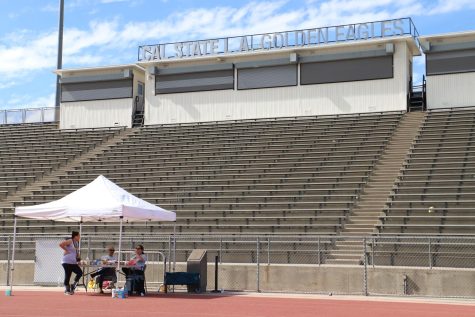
x,y
137,262
106,272
136,272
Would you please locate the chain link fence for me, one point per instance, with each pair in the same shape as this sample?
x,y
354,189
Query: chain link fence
x,y
442,266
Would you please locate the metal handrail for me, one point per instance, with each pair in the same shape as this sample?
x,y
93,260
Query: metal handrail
x,y
23,112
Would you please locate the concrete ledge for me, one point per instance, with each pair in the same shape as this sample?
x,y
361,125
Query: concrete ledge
x,y
394,281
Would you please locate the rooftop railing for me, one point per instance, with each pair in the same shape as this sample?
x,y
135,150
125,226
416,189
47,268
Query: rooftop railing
x,y
28,115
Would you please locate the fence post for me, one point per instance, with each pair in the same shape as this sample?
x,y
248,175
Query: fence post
x,y
174,252
372,252
169,253
9,255
319,252
268,250
89,248
257,261
365,274
430,253
220,250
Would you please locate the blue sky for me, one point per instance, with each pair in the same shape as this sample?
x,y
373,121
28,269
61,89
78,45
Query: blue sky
x,y
104,32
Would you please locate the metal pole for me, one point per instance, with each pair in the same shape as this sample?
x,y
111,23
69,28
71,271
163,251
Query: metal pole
x,y
89,248
174,253
257,261
372,252
80,234
9,251
365,278
268,250
59,64
13,255
164,268
174,246
319,254
220,250
169,253
119,253
216,261
430,253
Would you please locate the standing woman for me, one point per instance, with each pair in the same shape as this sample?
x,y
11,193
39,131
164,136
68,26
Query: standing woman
x,y
70,262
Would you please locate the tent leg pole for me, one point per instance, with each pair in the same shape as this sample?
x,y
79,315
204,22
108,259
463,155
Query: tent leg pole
x,y
13,255
119,253
80,234
174,246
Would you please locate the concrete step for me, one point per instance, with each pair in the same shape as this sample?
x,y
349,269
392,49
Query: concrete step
x,y
364,228
372,197
355,234
366,221
367,197
369,207
381,188
356,249
359,218
377,184
383,178
365,212
377,191
348,242
343,261
365,215
347,254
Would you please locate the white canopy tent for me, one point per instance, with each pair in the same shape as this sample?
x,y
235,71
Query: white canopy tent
x,y
100,200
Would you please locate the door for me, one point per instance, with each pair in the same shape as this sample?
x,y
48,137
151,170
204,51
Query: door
x,y
139,106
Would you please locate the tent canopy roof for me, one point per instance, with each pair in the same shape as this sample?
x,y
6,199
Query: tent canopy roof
x,y
100,200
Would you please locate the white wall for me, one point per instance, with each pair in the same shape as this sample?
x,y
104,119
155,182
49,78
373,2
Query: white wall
x,y
96,113
336,98
451,90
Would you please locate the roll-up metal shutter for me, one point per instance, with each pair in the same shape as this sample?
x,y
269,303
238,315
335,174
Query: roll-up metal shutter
x,y
99,90
197,81
379,67
450,62
266,77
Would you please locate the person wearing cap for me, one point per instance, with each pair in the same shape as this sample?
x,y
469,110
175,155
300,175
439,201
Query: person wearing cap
x,y
106,273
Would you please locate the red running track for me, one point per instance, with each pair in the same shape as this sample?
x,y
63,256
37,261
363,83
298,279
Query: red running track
x,y
54,304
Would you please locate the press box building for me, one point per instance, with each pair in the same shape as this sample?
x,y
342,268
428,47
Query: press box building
x,y
345,69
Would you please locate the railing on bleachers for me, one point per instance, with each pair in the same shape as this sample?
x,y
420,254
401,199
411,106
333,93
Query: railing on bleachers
x,y
28,115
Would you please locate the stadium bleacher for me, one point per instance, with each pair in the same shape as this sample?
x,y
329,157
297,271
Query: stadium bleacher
x,y
29,152
288,176
434,193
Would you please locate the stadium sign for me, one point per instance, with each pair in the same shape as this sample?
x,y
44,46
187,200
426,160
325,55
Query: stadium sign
x,y
277,40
